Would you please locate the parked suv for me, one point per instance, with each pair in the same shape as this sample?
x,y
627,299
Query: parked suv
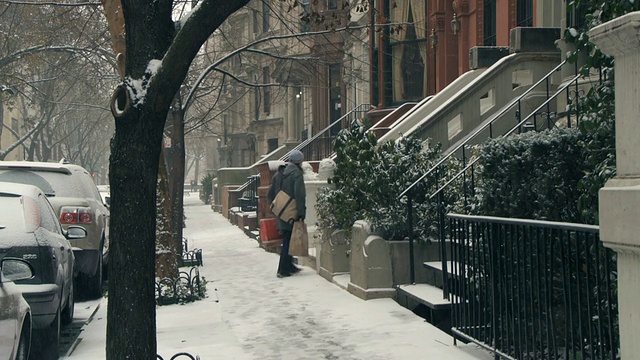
x,y
31,231
76,201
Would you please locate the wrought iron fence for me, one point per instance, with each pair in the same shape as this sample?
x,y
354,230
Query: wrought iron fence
x,y
186,288
181,355
539,119
529,289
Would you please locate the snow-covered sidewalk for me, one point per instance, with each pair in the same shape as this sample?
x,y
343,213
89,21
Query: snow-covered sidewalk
x,y
259,316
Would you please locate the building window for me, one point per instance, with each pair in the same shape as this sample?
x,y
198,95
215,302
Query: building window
x,y
489,23
409,54
576,16
256,27
305,23
525,13
265,16
267,91
225,128
412,65
256,102
332,4
272,145
335,106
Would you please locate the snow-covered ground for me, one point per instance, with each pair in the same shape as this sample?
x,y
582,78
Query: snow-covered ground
x,y
251,314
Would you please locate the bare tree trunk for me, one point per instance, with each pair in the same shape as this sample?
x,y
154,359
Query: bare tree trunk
x,y
135,152
133,177
177,175
166,260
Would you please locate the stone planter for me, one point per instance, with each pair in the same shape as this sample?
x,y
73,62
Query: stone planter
x,y
370,266
334,258
377,265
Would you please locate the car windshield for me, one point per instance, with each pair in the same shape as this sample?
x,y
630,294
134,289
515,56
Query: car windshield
x,y
51,183
12,215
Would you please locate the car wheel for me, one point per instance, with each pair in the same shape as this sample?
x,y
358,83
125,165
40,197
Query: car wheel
x,y
94,283
67,312
24,344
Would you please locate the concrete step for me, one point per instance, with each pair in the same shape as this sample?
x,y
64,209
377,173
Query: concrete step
x,y
428,302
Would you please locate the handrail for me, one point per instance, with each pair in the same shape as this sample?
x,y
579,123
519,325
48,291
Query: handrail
x,y
495,118
244,186
300,146
303,144
522,122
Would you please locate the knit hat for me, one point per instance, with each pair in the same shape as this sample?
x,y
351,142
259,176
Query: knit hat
x,y
296,157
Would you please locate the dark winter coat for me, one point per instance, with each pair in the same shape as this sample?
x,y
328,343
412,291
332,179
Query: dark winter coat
x,y
289,180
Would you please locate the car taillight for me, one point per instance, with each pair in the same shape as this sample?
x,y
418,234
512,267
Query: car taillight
x,y
75,215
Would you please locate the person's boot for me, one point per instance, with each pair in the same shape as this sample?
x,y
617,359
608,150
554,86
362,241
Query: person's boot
x,y
294,269
284,268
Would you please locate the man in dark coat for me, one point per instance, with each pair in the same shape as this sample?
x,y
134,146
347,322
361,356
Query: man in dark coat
x,y
290,181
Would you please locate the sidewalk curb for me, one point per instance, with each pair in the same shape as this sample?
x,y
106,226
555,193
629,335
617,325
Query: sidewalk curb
x,y
79,338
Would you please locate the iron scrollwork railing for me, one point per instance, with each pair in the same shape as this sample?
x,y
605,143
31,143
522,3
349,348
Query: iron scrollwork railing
x,y
188,287
528,289
181,355
191,257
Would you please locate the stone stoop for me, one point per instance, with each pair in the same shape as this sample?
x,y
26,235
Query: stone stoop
x,y
427,302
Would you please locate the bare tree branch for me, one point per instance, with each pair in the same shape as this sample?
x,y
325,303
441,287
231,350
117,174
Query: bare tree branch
x,y
40,3
21,140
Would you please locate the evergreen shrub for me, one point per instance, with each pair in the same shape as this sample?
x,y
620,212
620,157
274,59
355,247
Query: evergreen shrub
x,y
207,184
533,175
368,179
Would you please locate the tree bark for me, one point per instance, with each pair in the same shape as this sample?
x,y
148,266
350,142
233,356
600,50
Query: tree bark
x,y
135,150
177,174
166,260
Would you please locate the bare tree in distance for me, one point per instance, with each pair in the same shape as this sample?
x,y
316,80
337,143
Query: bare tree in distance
x,y
60,72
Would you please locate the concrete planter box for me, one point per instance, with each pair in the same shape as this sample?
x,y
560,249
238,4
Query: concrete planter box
x,y
334,259
377,265
370,265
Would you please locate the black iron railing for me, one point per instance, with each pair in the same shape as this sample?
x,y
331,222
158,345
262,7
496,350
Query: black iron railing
x,y
320,145
180,356
466,176
248,201
317,147
540,118
188,287
529,289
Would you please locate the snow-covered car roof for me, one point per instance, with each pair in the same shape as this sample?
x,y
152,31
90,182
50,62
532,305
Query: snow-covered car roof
x,y
41,166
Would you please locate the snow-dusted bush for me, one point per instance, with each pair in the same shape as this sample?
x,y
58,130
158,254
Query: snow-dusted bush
x,y
368,179
534,175
207,183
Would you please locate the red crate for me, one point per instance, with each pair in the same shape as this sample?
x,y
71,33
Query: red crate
x,y
268,230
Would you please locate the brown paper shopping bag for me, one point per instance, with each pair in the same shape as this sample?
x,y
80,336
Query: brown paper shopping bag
x,y
299,245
